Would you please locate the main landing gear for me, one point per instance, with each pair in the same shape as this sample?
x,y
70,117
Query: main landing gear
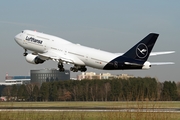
x,y
76,68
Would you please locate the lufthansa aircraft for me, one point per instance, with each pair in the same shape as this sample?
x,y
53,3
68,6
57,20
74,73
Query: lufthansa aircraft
x,y
47,47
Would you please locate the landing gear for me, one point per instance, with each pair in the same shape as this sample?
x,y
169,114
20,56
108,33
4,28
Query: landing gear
x,y
73,69
25,53
61,68
84,69
77,68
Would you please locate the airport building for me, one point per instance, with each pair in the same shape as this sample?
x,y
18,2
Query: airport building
x,y
10,80
37,76
93,75
48,75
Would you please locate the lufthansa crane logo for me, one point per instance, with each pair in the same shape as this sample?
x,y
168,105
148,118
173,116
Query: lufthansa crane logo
x,y
141,50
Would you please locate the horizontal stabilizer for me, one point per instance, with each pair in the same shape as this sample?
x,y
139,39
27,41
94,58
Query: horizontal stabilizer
x,y
162,63
154,53
161,53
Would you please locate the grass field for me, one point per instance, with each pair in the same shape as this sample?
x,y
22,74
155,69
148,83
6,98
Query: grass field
x,y
127,104
74,115
87,116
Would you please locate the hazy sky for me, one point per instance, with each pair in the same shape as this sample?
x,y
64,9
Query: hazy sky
x,y
113,26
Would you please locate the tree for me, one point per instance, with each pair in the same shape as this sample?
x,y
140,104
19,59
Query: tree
x,y
44,91
178,90
22,93
92,87
35,93
53,92
67,96
174,92
14,91
107,89
29,88
169,91
7,92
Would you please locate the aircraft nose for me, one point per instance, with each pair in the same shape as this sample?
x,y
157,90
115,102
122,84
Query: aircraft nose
x,y
17,38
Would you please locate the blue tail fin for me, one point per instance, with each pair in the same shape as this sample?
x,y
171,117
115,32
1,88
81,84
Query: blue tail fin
x,y
142,49
136,56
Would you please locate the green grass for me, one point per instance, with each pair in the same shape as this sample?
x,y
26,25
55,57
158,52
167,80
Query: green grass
x,y
75,115
145,104
87,116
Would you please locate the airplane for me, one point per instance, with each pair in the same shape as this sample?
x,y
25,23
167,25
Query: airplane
x,y
48,47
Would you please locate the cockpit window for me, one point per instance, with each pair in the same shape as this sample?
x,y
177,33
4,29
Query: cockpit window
x,y
22,31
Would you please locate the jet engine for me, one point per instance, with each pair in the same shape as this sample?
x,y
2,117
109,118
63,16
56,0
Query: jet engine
x,y
146,65
33,59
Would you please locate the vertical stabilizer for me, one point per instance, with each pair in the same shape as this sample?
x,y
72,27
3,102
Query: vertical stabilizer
x,y
142,49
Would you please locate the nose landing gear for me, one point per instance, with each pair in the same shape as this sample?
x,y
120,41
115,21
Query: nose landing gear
x,y
25,53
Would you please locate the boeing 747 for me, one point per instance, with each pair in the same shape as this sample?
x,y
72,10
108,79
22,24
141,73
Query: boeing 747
x,y
47,47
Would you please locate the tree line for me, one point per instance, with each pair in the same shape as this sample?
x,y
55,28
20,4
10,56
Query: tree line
x,y
132,89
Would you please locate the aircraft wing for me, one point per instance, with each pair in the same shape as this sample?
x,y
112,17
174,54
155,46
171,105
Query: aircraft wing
x,y
61,57
55,57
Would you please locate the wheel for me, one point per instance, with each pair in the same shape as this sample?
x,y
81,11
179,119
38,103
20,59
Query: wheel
x,y
60,66
71,68
83,69
61,69
25,54
75,70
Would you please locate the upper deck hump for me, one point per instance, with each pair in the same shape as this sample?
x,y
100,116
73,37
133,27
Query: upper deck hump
x,y
45,36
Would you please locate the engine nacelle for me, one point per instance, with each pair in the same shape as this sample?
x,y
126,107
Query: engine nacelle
x,y
33,59
146,65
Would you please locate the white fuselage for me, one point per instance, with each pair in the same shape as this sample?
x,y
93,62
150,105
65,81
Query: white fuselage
x,y
47,47
43,43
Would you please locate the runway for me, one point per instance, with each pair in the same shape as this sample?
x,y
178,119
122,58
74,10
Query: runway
x,y
172,110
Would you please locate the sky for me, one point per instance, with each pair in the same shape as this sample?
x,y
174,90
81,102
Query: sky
x,y
113,26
